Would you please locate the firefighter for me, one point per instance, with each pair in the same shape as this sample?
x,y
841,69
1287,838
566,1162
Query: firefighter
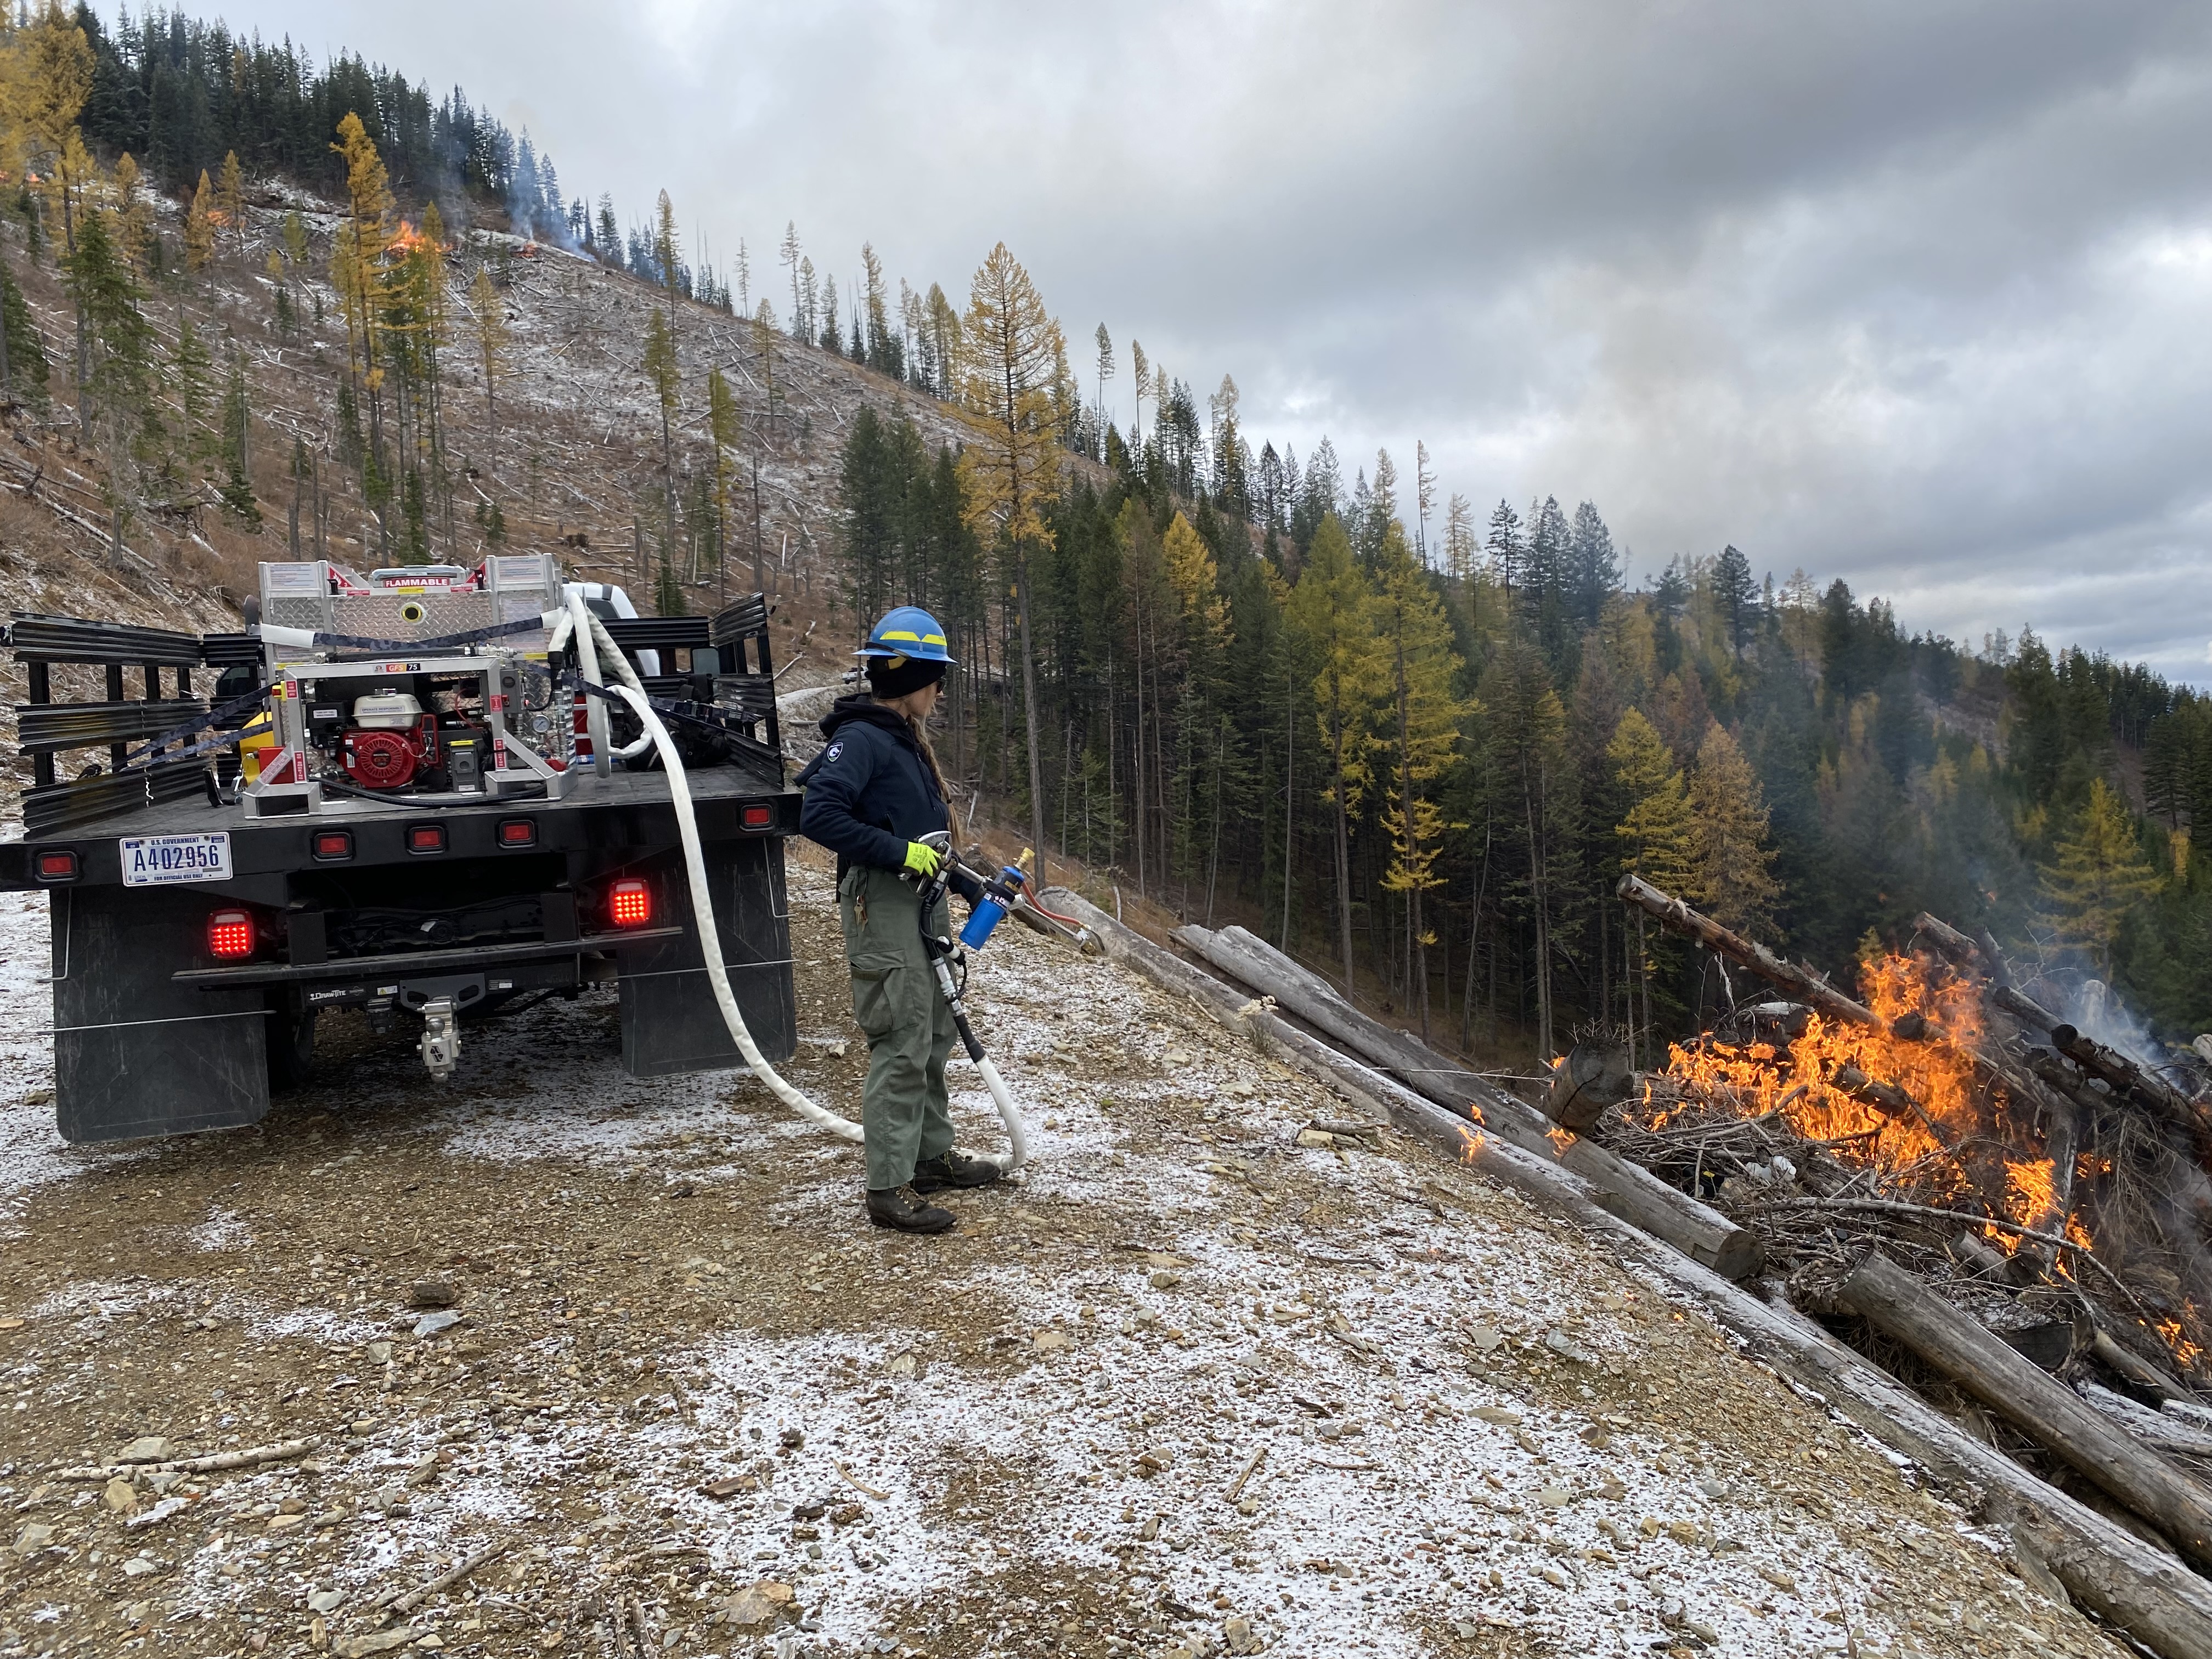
x,y
871,794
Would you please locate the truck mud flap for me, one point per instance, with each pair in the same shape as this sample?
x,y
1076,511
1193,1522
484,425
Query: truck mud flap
x,y
670,1022
134,1054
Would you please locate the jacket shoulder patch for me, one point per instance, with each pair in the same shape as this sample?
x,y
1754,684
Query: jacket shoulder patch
x,y
834,751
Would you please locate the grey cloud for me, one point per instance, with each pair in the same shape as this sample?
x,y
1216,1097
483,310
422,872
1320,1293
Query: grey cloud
x,y
1913,294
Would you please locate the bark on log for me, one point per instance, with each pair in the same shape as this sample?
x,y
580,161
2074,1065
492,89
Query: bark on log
x,y
1629,1190
1900,1306
2147,1593
246,1458
1803,983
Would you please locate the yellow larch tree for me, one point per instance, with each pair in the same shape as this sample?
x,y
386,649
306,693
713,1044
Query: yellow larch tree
x,y
1330,619
199,226
1420,721
1009,346
230,202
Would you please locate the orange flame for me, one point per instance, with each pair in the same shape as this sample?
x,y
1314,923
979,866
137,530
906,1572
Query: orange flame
x,y
1801,1081
408,240
2185,1351
2033,1189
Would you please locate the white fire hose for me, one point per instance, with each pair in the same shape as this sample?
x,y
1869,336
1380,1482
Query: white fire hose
x,y
702,910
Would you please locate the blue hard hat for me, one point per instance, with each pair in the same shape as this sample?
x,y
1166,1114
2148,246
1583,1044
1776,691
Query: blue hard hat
x,y
907,631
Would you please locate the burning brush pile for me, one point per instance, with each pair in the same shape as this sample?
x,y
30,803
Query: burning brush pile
x,y
2047,1187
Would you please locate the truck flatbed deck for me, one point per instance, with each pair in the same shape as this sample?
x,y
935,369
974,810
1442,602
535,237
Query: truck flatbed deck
x,y
387,855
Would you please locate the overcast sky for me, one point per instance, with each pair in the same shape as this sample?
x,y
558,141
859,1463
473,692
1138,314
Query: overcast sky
x,y
1918,293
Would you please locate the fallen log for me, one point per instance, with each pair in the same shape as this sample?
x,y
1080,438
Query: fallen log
x,y
1313,1000
247,1457
2152,1428
1631,1191
1803,983
1898,1304
402,1602
2143,1591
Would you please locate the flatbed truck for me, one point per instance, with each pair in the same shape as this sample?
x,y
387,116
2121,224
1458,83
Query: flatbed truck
x,y
398,796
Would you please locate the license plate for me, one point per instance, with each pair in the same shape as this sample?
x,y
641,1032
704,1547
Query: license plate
x,y
160,861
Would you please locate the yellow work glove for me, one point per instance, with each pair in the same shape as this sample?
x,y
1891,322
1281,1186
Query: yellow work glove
x,y
922,860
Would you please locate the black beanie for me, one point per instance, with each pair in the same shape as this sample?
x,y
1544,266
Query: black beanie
x,y
894,677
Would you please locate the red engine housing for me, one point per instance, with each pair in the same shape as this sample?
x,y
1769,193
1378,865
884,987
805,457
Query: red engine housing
x,y
379,758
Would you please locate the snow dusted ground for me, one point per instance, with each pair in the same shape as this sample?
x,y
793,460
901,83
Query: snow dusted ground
x,y
686,1374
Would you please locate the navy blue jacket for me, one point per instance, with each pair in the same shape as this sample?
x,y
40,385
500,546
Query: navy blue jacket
x,y
870,792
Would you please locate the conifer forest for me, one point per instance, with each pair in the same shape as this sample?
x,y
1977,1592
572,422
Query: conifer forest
x,y
1413,738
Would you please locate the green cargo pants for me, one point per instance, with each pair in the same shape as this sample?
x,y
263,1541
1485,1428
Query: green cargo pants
x,y
903,1109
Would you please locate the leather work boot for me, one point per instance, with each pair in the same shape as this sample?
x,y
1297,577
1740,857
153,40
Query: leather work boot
x,y
953,1169
897,1207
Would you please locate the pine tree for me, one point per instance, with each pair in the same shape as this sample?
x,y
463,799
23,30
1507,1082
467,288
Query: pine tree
x,y
118,392
415,547
23,367
1734,864
1595,568
1329,616
883,353
1106,371
230,201
2098,878
1736,592
1012,468
237,502
1508,553
199,227
190,368
488,308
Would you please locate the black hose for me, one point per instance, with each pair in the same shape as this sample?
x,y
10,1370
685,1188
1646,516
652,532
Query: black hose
x,y
536,793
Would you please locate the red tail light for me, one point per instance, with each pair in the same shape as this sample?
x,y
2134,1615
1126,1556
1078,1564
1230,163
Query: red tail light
x,y
57,866
756,817
230,935
629,904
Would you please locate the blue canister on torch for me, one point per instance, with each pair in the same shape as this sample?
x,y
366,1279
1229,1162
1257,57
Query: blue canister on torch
x,y
987,914
997,898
